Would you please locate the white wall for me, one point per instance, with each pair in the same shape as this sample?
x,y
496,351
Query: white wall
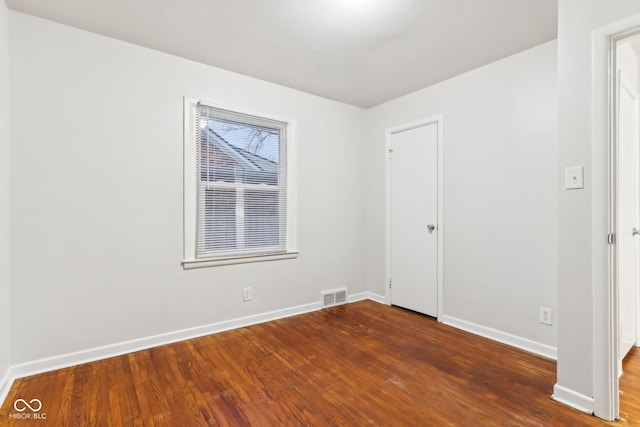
x,y
577,19
97,186
500,137
5,167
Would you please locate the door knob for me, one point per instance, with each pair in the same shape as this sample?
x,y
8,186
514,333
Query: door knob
x,y
431,227
635,232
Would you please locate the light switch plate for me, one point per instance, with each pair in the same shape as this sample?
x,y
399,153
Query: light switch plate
x,y
574,178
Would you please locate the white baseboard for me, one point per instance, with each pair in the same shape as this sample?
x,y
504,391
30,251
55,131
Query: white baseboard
x,y
573,399
5,385
118,349
104,352
366,296
503,337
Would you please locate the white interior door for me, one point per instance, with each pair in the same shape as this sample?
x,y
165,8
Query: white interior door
x,y
628,213
414,219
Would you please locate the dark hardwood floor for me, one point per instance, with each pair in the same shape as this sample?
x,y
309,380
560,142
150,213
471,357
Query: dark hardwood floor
x,y
630,389
361,364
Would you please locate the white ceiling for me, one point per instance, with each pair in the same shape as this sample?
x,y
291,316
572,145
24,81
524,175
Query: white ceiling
x,y
362,52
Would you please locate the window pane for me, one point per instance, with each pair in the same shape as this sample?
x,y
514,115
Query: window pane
x,y
262,219
238,152
220,220
260,141
215,164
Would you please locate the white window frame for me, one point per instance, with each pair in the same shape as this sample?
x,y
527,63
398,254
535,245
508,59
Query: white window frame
x,y
191,179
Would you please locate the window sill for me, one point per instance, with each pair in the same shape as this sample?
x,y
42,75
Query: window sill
x,y
202,263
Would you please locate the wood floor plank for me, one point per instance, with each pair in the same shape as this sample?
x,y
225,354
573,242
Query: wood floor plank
x,y
630,388
355,365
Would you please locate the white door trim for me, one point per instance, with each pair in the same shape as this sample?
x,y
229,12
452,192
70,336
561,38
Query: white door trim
x,y
604,284
438,120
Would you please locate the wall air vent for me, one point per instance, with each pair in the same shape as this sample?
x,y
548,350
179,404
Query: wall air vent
x,y
334,297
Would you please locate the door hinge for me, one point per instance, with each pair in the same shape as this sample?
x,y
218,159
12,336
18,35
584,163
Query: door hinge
x,y
611,238
390,151
389,283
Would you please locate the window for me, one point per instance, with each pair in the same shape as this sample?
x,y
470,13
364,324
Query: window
x,y
238,182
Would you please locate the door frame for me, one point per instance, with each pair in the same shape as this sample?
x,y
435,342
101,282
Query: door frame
x,y
438,120
606,328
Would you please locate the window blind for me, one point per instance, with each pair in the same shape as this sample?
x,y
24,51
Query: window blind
x,y
242,184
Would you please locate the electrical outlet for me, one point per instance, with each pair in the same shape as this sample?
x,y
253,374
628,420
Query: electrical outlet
x,y
246,294
545,316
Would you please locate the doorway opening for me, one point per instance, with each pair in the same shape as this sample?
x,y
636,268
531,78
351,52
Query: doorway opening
x,y
624,202
626,156
610,94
